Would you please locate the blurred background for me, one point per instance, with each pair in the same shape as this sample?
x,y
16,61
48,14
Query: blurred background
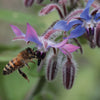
x,y
15,87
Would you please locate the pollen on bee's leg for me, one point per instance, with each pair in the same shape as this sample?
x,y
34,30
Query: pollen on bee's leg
x,y
23,74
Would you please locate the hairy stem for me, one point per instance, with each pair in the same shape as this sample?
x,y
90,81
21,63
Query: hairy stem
x,y
64,10
37,89
60,12
77,42
50,27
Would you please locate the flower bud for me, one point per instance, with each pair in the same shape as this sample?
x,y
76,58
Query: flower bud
x,y
92,44
98,35
39,1
28,2
93,13
46,10
54,0
62,2
52,68
68,74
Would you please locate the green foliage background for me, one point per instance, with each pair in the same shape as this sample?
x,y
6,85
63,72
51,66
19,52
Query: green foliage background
x,y
14,87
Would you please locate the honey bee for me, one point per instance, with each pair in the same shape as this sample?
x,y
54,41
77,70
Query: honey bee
x,y
22,59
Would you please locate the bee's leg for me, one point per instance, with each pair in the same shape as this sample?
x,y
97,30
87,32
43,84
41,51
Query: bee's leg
x,y
33,62
23,74
27,65
39,61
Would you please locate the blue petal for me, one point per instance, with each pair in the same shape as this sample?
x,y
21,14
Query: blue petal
x,y
31,35
78,31
85,14
62,25
73,23
17,31
97,17
89,4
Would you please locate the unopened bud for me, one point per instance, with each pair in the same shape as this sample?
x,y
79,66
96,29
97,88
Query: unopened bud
x,y
62,2
98,35
50,8
28,2
39,1
92,44
94,12
52,68
90,31
68,74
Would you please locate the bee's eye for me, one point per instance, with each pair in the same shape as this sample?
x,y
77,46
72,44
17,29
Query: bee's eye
x,y
29,50
43,55
38,54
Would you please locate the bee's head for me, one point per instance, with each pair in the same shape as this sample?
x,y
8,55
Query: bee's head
x,y
37,53
30,52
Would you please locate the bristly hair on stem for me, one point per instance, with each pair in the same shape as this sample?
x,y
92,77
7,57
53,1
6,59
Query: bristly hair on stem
x,y
34,91
47,9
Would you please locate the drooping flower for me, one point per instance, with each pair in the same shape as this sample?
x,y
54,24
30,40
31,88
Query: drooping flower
x,y
85,23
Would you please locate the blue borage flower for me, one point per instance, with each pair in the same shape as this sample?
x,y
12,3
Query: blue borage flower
x,y
84,24
42,43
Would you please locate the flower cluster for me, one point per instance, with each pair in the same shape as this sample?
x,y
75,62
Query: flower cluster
x,y
82,23
44,45
85,23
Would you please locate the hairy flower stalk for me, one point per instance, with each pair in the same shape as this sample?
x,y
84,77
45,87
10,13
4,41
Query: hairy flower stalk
x,y
78,43
63,3
69,70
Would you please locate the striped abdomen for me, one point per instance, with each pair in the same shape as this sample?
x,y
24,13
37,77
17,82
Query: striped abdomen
x,y
13,65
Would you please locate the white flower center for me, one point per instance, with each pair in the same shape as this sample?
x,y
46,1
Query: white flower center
x,y
89,24
45,43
